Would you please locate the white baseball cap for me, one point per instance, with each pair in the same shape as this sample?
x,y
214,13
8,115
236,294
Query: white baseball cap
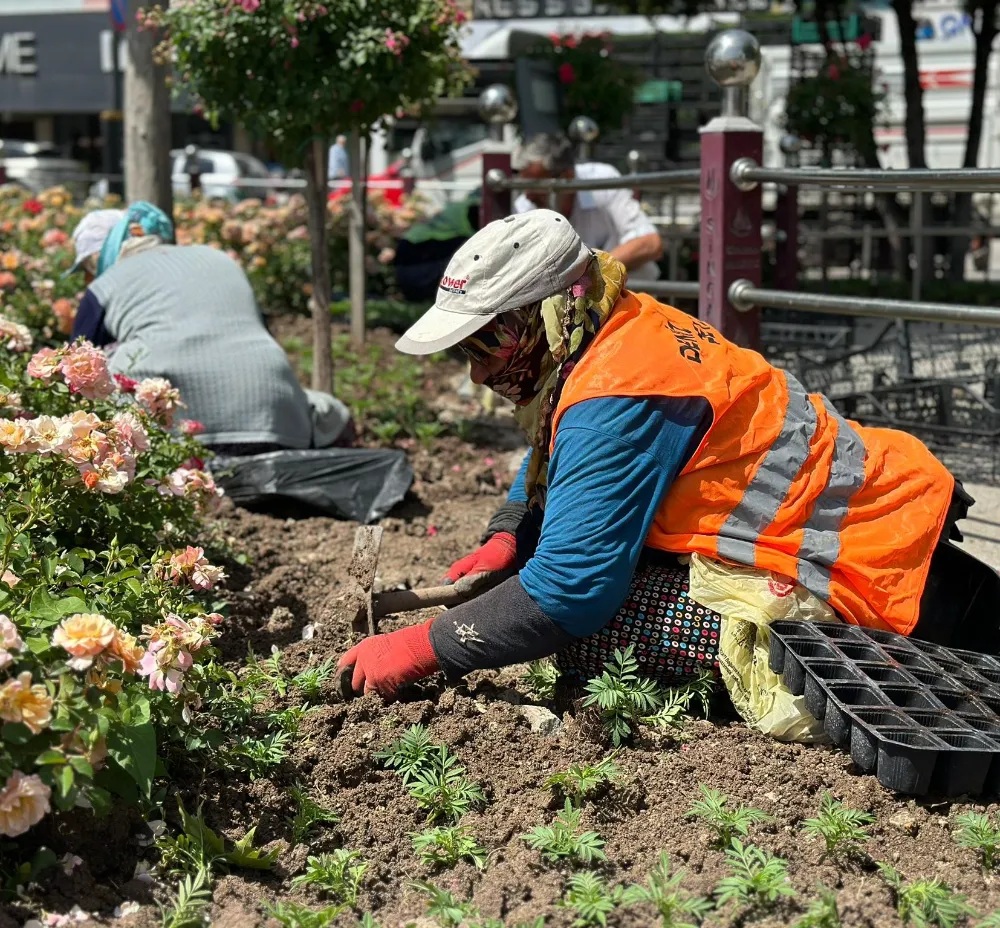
x,y
91,232
510,263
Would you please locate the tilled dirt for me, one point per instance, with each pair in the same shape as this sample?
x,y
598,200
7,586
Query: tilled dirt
x,y
296,579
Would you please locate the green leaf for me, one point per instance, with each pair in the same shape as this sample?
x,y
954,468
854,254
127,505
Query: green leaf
x,y
16,733
65,780
50,610
244,854
37,644
134,586
82,766
113,778
51,757
134,748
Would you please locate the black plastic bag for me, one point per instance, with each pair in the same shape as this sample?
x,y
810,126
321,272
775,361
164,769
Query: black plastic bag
x,y
361,484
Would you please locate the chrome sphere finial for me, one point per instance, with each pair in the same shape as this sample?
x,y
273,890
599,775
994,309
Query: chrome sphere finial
x,y
497,105
583,129
732,58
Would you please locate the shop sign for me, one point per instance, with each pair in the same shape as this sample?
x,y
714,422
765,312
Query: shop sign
x,y
17,54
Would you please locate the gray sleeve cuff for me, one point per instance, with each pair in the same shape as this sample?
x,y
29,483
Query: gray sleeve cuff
x,y
501,627
507,518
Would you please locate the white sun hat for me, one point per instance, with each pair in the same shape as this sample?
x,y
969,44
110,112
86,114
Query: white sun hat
x,y
90,233
510,263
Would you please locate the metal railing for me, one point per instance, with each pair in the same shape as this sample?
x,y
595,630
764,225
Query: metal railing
x,y
745,296
746,174
653,180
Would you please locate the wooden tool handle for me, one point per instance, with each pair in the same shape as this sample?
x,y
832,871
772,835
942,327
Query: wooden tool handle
x,y
392,601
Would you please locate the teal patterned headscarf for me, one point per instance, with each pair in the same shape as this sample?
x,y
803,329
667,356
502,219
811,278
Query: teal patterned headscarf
x,y
151,219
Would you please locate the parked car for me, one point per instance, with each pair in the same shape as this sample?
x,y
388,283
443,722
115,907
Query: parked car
x,y
35,166
228,175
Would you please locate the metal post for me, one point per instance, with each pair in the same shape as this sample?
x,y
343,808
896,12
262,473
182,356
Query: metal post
x,y
730,217
917,244
356,238
495,203
866,252
787,239
497,107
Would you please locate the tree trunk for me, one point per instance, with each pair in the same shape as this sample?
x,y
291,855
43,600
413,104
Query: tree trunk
x,y
316,198
887,207
916,131
356,239
147,121
962,216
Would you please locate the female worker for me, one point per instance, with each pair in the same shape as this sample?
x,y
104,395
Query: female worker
x,y
652,437
188,313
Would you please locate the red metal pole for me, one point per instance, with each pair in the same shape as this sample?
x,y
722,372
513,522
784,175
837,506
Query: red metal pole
x,y
730,232
495,203
730,217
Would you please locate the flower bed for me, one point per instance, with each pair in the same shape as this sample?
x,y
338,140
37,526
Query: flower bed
x,y
103,621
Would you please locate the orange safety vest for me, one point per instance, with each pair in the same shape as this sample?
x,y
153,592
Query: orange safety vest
x,y
781,481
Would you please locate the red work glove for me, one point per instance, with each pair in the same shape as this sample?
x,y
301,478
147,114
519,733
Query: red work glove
x,y
499,554
384,663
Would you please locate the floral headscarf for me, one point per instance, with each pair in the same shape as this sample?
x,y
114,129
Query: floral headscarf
x,y
542,343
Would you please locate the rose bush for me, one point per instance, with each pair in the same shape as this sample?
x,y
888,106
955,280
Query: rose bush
x,y
104,625
270,241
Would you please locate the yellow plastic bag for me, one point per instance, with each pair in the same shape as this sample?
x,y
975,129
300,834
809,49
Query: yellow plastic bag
x,y
749,601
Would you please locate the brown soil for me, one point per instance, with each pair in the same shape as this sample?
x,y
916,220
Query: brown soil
x,y
296,577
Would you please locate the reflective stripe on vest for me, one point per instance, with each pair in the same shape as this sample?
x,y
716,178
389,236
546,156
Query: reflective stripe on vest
x,y
769,488
821,542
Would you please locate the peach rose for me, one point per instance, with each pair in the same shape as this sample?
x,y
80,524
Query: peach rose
x,y
15,436
84,636
15,336
22,702
65,313
24,801
44,363
126,649
86,371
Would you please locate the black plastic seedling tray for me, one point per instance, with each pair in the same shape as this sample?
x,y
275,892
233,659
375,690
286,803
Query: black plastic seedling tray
x,y
921,717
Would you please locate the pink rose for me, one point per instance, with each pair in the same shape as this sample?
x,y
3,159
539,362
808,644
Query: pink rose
x,y
44,363
86,371
191,427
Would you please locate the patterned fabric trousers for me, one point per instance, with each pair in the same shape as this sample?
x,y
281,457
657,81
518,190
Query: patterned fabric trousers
x,y
673,637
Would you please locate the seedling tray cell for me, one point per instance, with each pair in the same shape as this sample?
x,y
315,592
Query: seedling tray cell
x,y
920,717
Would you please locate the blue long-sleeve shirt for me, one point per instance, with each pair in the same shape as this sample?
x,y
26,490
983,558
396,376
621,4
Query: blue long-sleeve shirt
x,y
613,462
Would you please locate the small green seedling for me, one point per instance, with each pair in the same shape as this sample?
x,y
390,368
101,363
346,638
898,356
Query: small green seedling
x,y
294,915
288,720
560,841
445,847
443,907
443,789
186,906
925,902
591,899
757,878
309,814
259,756
989,921
261,674
368,921
822,912
623,697
199,847
541,678
311,680
841,828
978,832
335,873
726,823
627,700
582,780
677,908
409,754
